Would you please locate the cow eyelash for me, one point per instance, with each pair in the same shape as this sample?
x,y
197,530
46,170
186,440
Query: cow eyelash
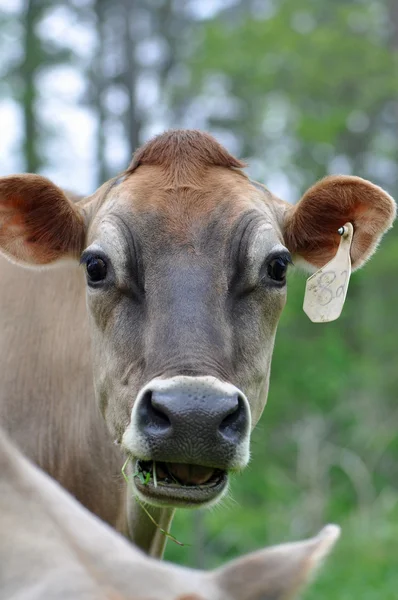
x,y
88,254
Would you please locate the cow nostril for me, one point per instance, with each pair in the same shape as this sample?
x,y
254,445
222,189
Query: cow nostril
x,y
151,416
234,424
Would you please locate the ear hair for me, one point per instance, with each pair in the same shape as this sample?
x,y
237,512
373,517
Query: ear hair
x,y
278,572
38,223
311,226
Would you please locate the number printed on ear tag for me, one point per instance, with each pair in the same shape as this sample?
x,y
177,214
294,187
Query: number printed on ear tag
x,y
326,290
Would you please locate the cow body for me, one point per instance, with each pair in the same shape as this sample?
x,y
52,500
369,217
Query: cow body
x,y
46,396
183,266
52,548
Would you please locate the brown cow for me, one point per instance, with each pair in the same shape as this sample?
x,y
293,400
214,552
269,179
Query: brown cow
x,y
185,264
52,548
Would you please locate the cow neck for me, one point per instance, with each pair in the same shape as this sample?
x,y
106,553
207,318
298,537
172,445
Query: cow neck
x,y
143,532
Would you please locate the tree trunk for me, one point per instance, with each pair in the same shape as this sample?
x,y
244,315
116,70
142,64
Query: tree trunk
x,y
133,122
99,87
28,69
393,12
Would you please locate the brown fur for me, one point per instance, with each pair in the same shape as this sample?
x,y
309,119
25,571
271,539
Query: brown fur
x,y
312,225
37,219
184,155
184,207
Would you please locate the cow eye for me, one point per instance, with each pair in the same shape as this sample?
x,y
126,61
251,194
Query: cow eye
x,y
277,268
96,269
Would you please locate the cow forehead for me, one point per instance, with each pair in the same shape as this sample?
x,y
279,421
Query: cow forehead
x,y
144,199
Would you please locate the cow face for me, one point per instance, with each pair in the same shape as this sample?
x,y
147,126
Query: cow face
x,y
186,262
185,288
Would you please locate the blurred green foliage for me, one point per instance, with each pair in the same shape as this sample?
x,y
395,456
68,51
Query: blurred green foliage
x,y
318,80
311,82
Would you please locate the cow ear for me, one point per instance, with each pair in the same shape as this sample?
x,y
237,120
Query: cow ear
x,y
38,223
311,226
278,572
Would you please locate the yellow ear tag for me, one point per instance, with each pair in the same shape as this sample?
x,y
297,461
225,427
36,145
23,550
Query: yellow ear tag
x,y
326,289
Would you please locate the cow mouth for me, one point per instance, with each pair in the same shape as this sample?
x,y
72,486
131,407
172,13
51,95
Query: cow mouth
x,y
178,484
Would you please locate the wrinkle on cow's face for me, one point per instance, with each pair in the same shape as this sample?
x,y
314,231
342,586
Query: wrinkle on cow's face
x,y
187,291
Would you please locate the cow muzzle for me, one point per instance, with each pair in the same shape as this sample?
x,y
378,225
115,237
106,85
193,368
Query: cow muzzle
x,y
185,436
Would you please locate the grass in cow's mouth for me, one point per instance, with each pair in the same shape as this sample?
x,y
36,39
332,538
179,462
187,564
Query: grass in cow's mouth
x,y
177,474
145,478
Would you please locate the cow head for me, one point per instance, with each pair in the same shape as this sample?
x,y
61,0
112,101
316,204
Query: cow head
x,y
185,261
